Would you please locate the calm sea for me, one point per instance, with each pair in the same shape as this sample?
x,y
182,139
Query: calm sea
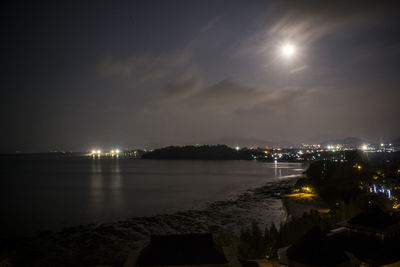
x,y
51,192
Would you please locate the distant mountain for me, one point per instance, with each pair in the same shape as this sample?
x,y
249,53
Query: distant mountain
x,y
350,141
396,141
357,142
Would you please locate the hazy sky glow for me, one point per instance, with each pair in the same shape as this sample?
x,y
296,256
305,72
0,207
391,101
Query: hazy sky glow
x,y
154,73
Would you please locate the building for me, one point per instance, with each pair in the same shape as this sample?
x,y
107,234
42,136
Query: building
x,y
374,223
315,249
187,250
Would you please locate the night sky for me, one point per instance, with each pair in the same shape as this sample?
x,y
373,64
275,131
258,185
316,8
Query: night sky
x,y
141,74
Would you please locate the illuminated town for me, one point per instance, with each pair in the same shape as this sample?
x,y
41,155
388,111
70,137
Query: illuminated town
x,y
300,152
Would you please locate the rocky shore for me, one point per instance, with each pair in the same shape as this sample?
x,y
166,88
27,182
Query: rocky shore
x,y
110,243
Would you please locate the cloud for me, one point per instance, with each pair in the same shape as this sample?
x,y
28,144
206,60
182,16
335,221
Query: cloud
x,y
277,101
228,90
194,95
227,96
183,87
224,94
338,9
306,21
148,66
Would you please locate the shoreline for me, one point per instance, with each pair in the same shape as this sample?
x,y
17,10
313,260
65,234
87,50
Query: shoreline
x,y
296,206
111,242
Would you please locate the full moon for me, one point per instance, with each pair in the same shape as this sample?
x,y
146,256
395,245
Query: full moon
x,y
288,50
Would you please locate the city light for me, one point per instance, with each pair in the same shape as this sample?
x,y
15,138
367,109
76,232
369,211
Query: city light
x,y
112,152
237,148
357,166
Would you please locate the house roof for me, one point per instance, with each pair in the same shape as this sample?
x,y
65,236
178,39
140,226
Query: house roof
x,y
373,218
188,249
314,249
368,249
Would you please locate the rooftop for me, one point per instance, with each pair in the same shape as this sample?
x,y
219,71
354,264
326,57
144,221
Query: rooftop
x,y
188,249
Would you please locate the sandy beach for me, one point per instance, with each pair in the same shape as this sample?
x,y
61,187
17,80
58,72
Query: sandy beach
x,y
298,204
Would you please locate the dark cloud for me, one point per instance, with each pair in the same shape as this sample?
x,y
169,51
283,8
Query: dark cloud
x,y
339,9
146,65
225,95
179,88
228,92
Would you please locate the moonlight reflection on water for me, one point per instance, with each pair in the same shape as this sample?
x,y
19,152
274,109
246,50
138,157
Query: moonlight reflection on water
x,y
49,193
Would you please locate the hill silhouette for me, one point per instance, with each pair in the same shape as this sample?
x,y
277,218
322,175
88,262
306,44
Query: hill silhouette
x,y
205,152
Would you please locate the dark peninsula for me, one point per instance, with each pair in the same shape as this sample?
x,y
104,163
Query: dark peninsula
x,y
205,152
